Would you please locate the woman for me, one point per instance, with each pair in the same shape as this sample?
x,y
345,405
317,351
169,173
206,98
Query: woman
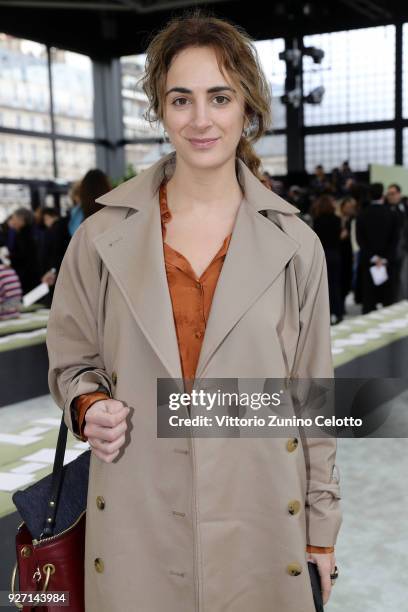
x,y
327,225
196,523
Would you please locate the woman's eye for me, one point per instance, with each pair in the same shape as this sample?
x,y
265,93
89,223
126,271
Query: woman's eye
x,y
222,98
178,100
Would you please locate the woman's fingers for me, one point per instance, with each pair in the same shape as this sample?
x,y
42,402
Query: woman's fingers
x,y
326,584
325,563
104,457
107,413
110,434
105,428
107,448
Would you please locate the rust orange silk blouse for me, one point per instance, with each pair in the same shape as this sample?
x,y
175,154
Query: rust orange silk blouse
x,y
191,299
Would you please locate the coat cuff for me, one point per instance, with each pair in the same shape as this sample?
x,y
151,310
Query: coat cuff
x,y
320,549
324,516
87,381
81,405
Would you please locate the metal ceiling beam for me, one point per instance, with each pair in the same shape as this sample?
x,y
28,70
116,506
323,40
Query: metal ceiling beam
x,y
368,8
128,3
376,8
64,4
118,6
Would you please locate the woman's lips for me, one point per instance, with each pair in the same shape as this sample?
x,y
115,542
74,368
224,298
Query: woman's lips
x,y
204,143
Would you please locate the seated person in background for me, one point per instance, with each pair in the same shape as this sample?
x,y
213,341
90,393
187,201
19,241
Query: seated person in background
x,y
10,288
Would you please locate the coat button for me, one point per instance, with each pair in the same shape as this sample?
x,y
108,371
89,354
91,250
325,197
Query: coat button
x,y
99,565
294,569
100,502
294,506
292,444
114,378
25,551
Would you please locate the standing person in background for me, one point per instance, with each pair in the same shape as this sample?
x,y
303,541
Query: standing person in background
x,y
56,239
319,182
39,232
377,234
327,226
55,244
346,178
94,184
24,255
76,214
347,211
400,209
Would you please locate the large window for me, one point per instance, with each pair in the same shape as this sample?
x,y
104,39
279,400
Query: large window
x,y
358,74
272,151
72,93
134,100
12,197
74,159
25,157
24,90
275,72
27,123
405,73
359,148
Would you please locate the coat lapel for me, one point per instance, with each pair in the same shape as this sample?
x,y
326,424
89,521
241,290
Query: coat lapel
x,y
259,250
133,253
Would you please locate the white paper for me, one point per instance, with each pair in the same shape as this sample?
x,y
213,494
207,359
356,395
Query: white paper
x,y
338,342
35,431
28,468
46,455
18,440
379,274
35,294
49,421
12,482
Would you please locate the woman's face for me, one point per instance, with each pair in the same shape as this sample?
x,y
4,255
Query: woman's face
x,y
200,103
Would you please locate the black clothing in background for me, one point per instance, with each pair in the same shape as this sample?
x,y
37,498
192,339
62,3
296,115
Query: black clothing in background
x,y
56,241
400,211
328,228
377,233
346,256
24,258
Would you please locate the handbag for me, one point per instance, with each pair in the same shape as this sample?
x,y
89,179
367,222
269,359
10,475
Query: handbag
x,y
50,542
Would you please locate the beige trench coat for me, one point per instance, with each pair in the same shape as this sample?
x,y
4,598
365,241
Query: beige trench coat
x,y
196,525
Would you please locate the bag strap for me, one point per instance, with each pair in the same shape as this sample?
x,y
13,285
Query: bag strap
x,y
56,481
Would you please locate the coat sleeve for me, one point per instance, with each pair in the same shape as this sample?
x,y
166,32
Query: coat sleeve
x,y
313,360
75,364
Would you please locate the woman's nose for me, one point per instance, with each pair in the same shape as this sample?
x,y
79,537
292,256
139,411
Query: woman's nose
x,y
201,115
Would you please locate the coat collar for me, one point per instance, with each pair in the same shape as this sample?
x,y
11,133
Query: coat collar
x,y
137,192
132,251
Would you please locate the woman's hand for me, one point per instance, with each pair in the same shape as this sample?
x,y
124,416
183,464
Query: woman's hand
x,y
105,428
325,564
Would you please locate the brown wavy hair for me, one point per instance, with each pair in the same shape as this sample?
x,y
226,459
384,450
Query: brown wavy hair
x,y
235,53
